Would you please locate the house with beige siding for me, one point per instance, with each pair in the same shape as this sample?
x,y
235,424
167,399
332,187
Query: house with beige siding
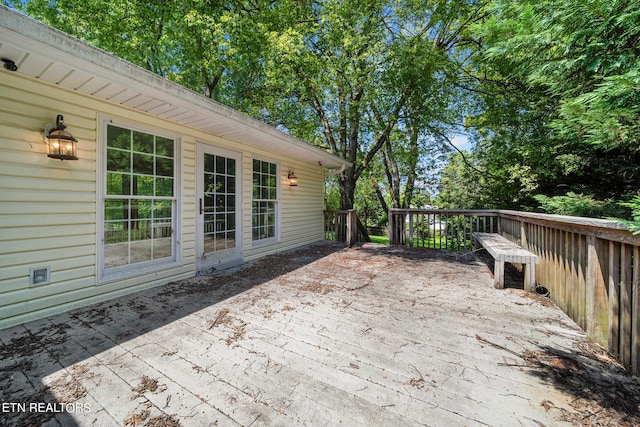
x,y
164,183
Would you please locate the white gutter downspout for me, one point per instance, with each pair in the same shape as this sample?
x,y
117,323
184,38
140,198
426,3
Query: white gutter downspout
x,y
335,171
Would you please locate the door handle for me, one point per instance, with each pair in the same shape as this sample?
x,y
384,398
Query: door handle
x,y
201,207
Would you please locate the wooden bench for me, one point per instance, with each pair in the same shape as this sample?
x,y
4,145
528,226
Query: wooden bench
x,y
503,250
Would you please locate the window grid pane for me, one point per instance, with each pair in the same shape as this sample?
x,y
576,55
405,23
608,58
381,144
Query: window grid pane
x,y
263,211
139,203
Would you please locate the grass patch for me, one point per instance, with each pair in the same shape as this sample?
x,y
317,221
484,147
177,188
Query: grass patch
x,y
435,242
380,239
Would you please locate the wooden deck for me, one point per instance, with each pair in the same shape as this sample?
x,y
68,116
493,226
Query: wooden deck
x,y
590,266
367,336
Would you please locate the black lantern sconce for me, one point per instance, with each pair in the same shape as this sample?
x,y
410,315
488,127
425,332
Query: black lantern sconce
x,y
293,179
9,64
62,145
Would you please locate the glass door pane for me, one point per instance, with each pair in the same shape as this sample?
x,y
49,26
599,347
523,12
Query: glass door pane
x,y
218,198
219,208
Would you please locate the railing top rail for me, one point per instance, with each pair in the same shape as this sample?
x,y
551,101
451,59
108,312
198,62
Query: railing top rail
x,y
603,228
487,212
574,220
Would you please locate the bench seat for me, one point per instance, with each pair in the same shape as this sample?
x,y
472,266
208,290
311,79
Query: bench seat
x,y
504,250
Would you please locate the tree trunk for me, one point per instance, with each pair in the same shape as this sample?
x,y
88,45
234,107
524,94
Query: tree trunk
x,y
376,186
347,181
393,173
413,165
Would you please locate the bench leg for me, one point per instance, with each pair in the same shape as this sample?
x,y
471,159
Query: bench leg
x,y
529,277
498,274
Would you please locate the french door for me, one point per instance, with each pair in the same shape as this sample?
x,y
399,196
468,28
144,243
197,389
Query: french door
x,y
218,214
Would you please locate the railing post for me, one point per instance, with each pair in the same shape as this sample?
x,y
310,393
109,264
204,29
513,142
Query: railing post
x,y
410,229
352,227
597,309
523,236
392,234
614,299
396,226
635,313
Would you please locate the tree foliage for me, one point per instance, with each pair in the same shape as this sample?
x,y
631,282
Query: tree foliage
x,y
357,77
633,223
557,85
549,91
205,45
362,73
580,205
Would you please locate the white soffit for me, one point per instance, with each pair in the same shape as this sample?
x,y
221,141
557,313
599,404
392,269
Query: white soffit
x,y
50,55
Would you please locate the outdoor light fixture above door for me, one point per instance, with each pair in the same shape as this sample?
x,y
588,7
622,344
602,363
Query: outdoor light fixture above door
x,y
293,179
62,145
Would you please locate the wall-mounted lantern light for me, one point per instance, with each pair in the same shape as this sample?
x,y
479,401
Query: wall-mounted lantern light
x,y
293,179
62,145
9,64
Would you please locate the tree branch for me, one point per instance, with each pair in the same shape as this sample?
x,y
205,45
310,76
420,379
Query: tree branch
x,y
464,158
388,127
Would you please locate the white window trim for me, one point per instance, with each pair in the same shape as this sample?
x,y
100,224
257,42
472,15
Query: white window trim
x,y
276,239
138,269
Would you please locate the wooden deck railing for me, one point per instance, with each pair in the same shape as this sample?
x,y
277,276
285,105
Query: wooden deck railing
x,y
344,226
440,229
590,266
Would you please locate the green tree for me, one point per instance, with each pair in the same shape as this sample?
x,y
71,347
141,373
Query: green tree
x,y
581,205
461,185
558,98
350,76
350,70
209,46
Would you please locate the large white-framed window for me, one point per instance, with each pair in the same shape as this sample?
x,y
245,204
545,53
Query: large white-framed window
x,y
265,202
139,200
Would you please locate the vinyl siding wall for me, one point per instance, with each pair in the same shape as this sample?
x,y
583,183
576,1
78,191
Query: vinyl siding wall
x,y
48,207
301,207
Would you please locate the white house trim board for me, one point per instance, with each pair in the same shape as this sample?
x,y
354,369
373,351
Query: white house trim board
x,y
52,213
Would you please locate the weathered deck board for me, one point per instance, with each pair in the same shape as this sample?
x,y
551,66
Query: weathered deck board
x,y
364,336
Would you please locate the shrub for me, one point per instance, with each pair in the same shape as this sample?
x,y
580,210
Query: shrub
x,y
584,205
